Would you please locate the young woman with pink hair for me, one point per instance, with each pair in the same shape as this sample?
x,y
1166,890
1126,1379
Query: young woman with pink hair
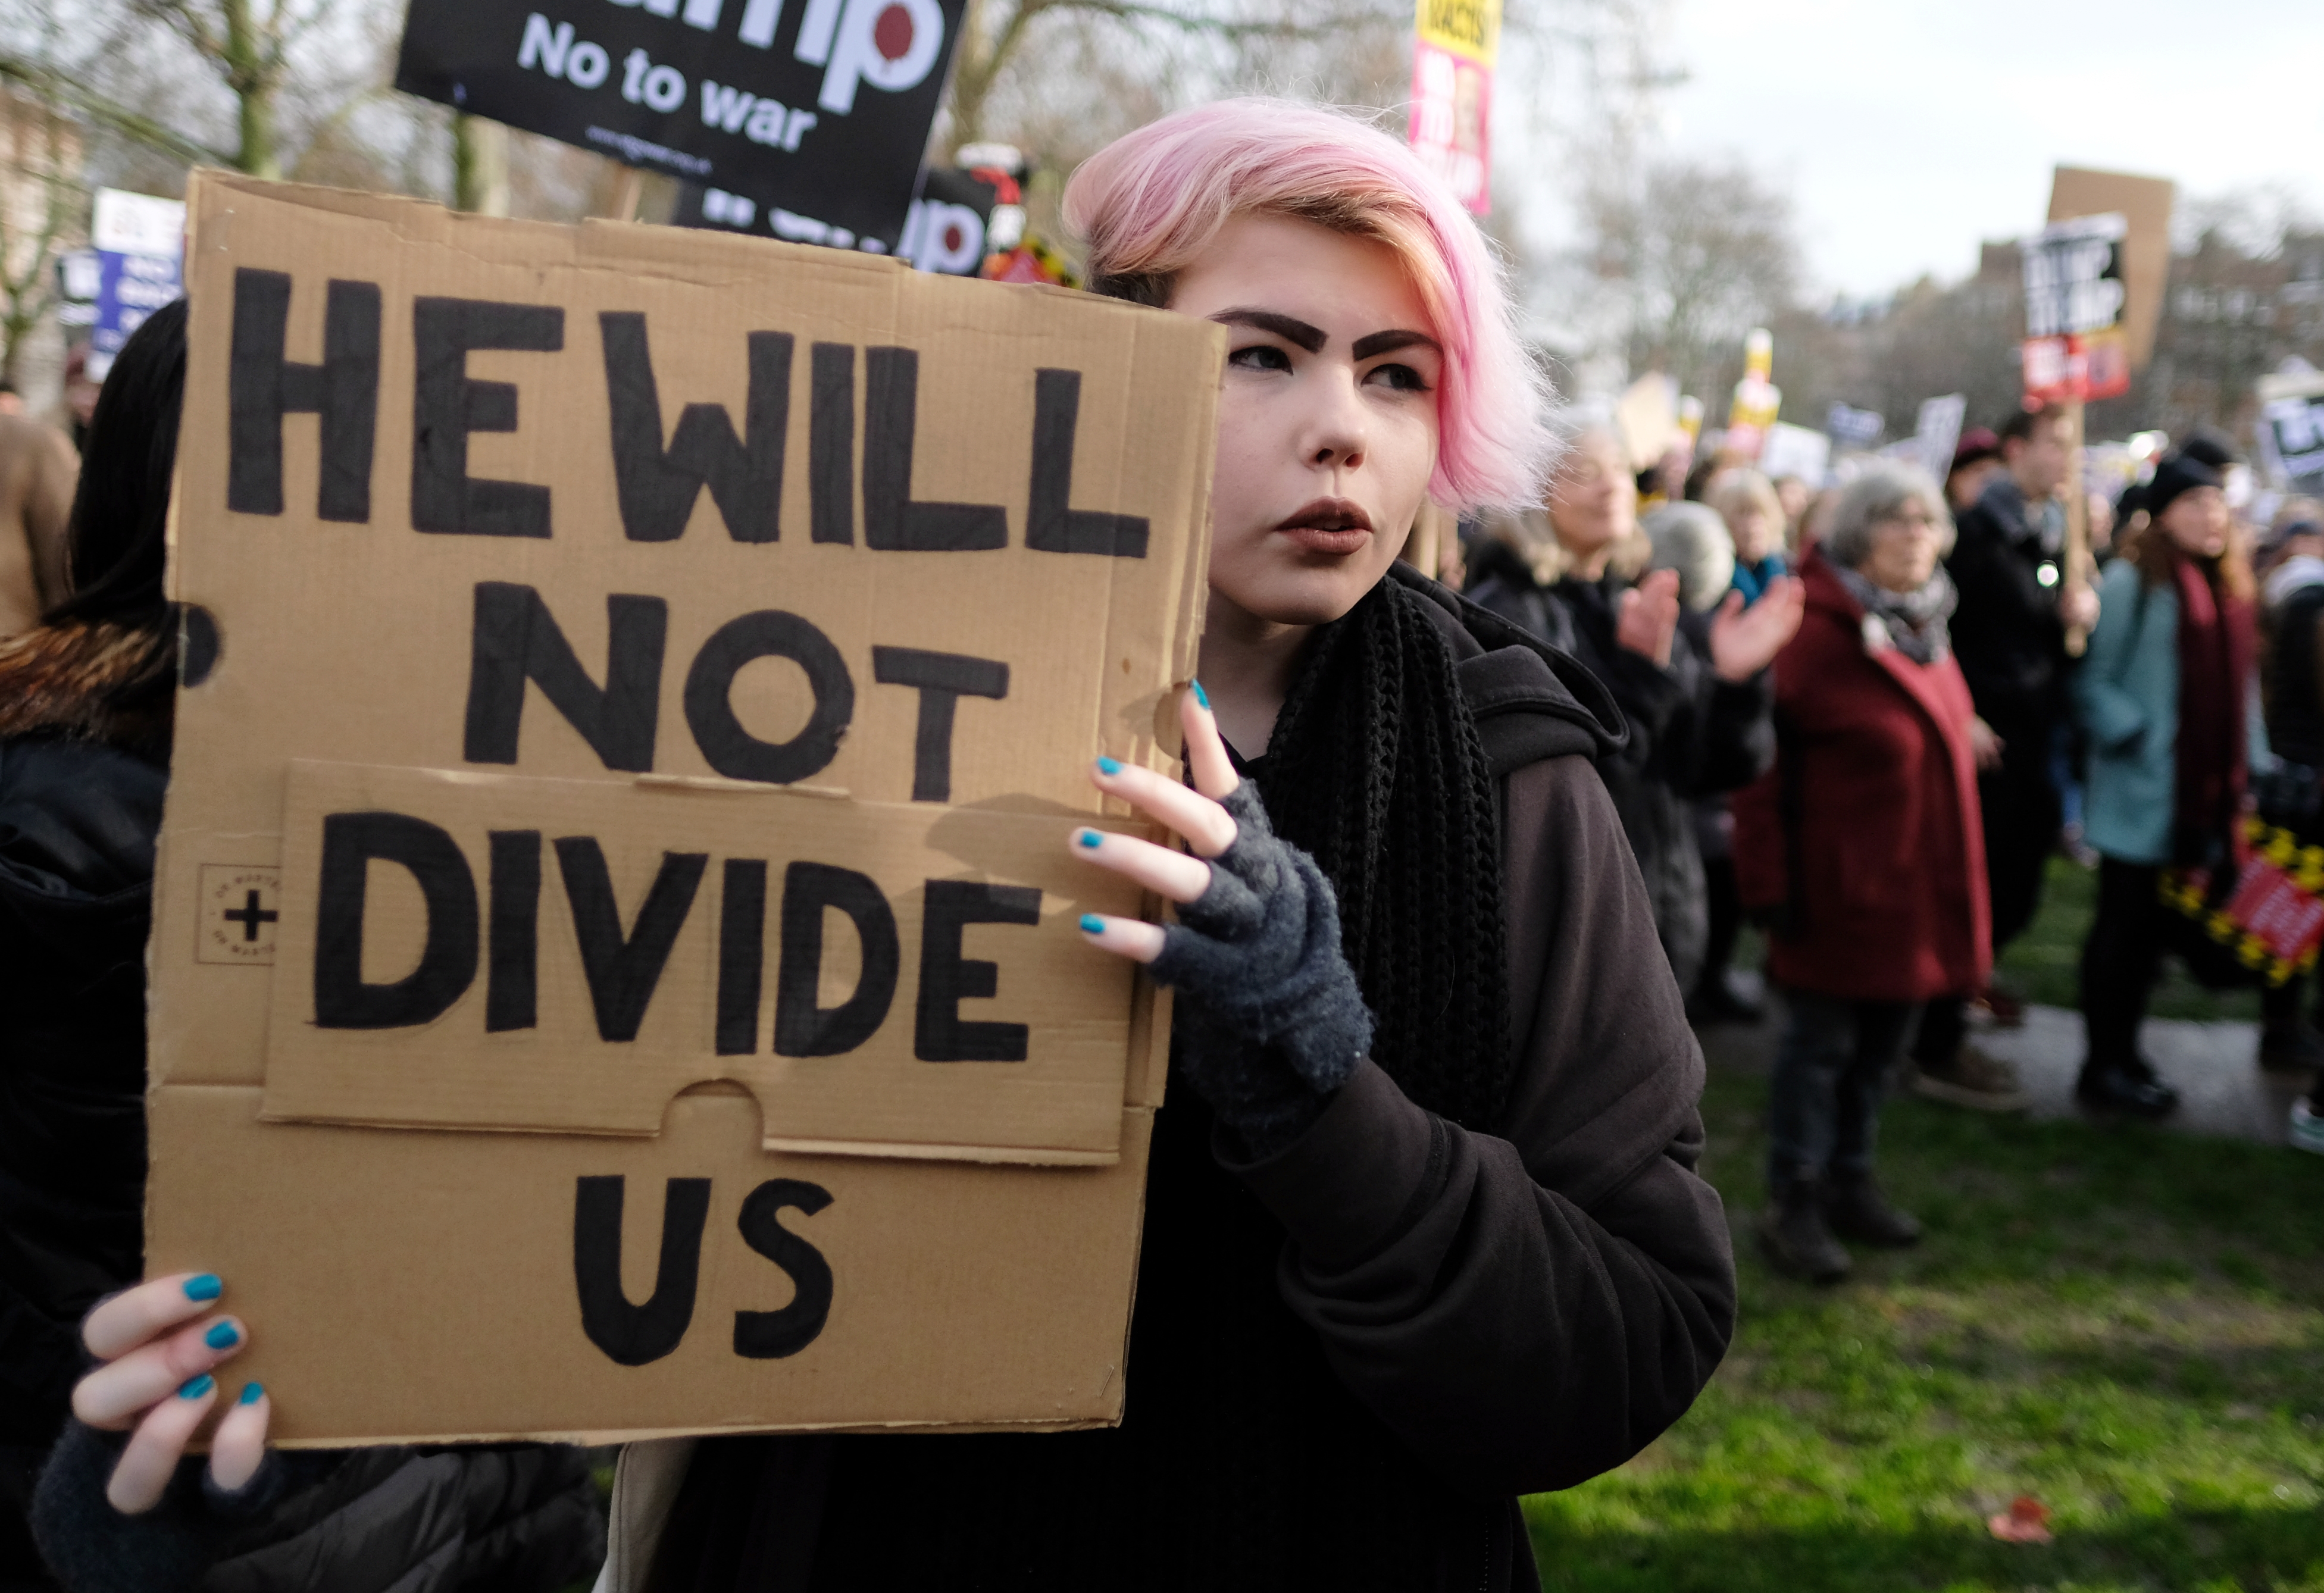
x,y
1422,1229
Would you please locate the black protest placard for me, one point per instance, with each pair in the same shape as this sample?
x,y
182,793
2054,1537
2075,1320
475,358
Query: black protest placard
x,y
2073,277
959,219
813,113
2292,430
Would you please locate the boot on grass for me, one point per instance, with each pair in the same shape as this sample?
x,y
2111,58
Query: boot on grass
x,y
1796,1237
1974,1079
2130,1090
2308,1123
1856,1208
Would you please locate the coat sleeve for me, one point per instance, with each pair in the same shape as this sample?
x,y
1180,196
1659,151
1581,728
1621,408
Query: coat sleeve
x,y
2005,633
1531,1310
2113,716
1762,850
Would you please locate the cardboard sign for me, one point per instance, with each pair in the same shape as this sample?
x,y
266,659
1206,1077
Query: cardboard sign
x,y
613,965
2145,258
1454,45
1936,434
1796,451
812,117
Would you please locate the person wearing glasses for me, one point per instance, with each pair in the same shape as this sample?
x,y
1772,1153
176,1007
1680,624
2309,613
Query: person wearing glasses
x,y
1863,852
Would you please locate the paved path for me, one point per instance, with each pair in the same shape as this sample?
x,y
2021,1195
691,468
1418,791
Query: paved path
x,y
2214,1066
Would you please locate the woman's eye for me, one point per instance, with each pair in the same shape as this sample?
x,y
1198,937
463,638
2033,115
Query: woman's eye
x,y
1260,356
1403,378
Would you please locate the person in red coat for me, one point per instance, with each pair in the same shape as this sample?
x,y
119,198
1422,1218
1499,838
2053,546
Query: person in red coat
x,y
1864,851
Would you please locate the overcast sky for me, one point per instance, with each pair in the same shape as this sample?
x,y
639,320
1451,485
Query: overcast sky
x,y
1909,130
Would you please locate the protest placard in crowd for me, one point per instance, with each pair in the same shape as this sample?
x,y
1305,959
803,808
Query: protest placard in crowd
x,y
1936,433
813,117
614,966
136,248
1454,44
2292,429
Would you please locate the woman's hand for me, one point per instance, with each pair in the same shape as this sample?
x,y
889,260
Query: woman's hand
x,y
1648,617
1270,1018
1207,828
1984,747
160,1343
1746,641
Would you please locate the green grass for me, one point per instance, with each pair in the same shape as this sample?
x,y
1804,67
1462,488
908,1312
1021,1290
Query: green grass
x,y
2126,1325
2041,964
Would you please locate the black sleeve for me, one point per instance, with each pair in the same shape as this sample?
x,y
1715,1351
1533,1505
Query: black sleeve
x,y
1531,1310
1729,735
2005,633
519,1517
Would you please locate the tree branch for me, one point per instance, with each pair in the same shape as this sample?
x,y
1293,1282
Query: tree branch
x,y
56,88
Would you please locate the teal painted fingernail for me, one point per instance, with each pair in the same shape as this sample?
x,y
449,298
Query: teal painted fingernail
x,y
224,1336
1090,838
195,1387
1108,766
252,1393
205,1285
1092,924
1202,697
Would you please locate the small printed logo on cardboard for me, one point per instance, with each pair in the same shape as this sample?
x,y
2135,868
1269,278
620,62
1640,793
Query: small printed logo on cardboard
x,y
241,907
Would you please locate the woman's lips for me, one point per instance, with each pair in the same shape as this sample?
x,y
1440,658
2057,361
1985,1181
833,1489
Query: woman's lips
x,y
1333,526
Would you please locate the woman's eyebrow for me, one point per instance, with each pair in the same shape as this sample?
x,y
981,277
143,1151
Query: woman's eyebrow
x,y
1291,329
1389,342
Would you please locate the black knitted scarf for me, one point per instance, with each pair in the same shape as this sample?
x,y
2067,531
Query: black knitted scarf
x,y
1376,769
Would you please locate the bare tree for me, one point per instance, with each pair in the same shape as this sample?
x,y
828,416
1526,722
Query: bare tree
x,y
41,209
249,44
1699,252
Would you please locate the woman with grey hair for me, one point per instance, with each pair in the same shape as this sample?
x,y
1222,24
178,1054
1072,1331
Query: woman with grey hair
x,y
1863,850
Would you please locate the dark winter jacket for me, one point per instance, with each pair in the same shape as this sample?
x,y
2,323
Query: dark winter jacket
x,y
2293,683
80,804
2008,563
1347,1360
1864,842
1690,733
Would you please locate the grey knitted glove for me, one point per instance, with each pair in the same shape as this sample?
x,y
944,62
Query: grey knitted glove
x,y
1270,1020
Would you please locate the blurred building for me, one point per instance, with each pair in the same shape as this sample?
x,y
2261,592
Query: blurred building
x,y
43,213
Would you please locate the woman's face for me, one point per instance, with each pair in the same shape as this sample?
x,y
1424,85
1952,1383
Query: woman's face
x,y
1594,501
1327,414
1904,553
1755,533
2198,522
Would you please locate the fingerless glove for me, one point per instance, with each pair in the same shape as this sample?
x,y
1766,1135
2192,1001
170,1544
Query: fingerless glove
x,y
1270,1020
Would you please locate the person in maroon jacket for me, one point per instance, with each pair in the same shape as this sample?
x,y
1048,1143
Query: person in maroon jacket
x,y
1863,849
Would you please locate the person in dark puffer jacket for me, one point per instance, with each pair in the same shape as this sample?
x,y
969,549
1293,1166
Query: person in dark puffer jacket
x,y
1694,697
86,706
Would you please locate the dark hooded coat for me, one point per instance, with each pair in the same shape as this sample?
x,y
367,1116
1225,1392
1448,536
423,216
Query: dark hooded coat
x,y
1347,1360
1691,734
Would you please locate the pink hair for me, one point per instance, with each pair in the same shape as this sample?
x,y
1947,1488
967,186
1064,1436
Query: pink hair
x,y
1150,202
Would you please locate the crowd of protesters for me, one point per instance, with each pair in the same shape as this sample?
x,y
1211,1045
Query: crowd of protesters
x,y
1885,794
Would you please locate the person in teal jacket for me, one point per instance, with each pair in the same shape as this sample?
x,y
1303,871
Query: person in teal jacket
x,y
2162,697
